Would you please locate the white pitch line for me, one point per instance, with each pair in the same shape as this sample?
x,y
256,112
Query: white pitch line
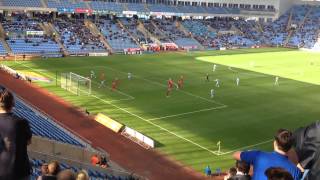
x,y
120,92
246,147
160,127
250,74
191,112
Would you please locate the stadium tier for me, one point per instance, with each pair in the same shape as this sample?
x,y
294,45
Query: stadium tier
x,y
22,3
2,49
44,127
118,38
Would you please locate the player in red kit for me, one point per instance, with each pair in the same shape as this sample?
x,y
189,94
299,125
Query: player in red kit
x,y
170,86
180,82
114,84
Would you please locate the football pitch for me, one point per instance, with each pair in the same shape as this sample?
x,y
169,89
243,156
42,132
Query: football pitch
x,y
188,125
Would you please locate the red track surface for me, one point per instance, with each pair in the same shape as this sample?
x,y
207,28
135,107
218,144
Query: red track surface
x,y
148,163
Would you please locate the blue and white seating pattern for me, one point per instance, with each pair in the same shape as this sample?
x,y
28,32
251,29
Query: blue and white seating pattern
x,y
2,49
136,7
22,3
66,4
106,6
117,37
131,26
20,43
33,46
44,127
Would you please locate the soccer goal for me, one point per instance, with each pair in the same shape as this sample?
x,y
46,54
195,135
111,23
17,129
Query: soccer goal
x,y
75,83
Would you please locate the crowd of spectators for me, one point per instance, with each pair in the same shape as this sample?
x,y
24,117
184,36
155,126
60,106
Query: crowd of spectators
x,y
76,37
131,25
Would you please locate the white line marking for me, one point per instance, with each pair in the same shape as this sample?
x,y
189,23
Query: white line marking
x,y
164,129
52,77
191,112
246,147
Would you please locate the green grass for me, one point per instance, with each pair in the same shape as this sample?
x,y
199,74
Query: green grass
x,y
238,116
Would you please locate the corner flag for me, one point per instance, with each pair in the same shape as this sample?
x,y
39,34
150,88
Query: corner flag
x,y
219,146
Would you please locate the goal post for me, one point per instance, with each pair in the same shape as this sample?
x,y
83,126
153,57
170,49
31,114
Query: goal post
x,y
75,83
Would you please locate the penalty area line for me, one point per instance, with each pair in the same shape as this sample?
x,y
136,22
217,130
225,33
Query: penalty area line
x,y
244,147
186,113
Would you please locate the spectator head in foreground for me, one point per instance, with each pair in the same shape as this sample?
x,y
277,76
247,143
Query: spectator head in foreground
x,y
6,101
82,175
241,172
261,160
66,174
53,168
276,173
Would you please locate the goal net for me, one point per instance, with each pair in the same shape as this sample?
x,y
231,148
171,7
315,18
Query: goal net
x,y
75,83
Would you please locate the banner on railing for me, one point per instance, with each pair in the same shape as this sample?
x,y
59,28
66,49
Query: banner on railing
x,y
33,33
83,10
108,122
139,136
65,10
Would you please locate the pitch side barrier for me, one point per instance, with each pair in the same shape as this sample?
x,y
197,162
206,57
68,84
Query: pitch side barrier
x,y
126,131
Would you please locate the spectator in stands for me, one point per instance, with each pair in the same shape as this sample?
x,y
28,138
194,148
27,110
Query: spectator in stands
x,y
307,145
261,161
15,136
103,162
231,173
82,175
53,170
278,174
95,161
44,171
66,174
242,171
207,171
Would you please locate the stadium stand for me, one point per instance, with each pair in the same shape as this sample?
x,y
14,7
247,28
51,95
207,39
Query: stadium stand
x,y
66,4
22,3
21,42
2,50
131,26
77,38
118,38
44,126
106,6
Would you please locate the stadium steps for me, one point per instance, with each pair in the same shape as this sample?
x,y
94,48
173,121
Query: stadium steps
x,y
146,33
95,31
125,6
305,18
146,7
289,19
87,4
44,4
180,26
57,37
162,33
132,36
6,46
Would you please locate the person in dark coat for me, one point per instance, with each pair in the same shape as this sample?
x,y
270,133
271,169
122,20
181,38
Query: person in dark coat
x,y
307,146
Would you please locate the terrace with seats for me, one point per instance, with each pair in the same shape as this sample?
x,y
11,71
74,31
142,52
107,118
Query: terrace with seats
x,y
21,42
66,4
162,8
200,32
131,26
106,6
172,32
136,7
118,38
150,26
77,38
22,3
44,126
2,50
